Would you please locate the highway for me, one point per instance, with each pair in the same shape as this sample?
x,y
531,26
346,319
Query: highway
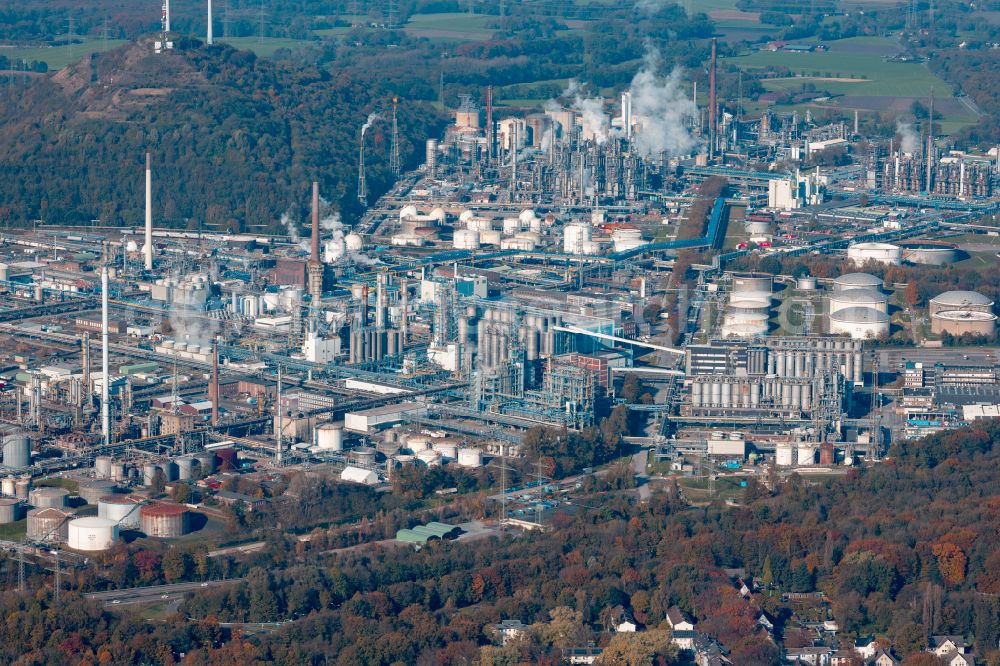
x,y
156,593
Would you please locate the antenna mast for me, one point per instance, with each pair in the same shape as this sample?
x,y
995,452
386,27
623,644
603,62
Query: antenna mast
x,y
394,155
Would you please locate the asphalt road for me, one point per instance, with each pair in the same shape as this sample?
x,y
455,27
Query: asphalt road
x,y
155,593
891,359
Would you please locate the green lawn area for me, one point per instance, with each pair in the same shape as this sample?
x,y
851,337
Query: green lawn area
x,y
68,484
450,26
880,78
58,57
14,531
266,47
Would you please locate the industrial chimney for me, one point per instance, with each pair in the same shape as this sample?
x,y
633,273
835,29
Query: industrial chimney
x,y
315,267
214,388
208,36
105,378
712,122
147,249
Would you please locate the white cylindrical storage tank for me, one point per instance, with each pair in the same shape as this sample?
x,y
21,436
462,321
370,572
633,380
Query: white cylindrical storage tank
x,y
92,534
120,509
470,457
577,238
490,237
330,436
783,455
857,281
466,239
806,283
969,301
48,498
185,468
102,467
807,454
757,227
529,238
119,471
479,224
755,305
859,322
883,253
429,457
47,524
7,487
862,298
745,330
511,225
447,449
963,322
21,487
11,509
418,443
16,449
753,283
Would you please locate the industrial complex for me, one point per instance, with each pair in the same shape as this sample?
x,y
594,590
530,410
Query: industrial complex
x,y
515,280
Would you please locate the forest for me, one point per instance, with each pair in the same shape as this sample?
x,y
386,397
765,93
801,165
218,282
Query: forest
x,y
900,550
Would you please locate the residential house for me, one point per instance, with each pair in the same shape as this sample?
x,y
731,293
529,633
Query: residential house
x,y
816,656
708,652
843,658
509,630
956,658
679,620
884,658
866,647
941,645
764,620
622,621
582,655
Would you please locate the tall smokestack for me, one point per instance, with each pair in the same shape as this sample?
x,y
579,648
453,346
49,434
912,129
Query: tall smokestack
x,y
105,378
489,121
147,249
315,268
166,15
85,354
315,223
930,145
208,36
214,388
711,103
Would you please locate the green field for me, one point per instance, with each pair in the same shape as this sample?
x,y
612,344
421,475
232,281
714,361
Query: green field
x,y
264,47
450,26
58,57
858,75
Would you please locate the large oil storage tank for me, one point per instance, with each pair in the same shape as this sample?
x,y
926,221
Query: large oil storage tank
x,y
883,253
102,467
930,253
48,498
206,461
752,283
16,449
466,239
963,322
166,520
859,322
8,486
91,534
429,457
784,455
806,454
47,524
330,436
470,457
758,304
744,329
121,509
861,298
857,281
364,455
187,468
21,487
969,301
447,447
418,443
93,491
10,510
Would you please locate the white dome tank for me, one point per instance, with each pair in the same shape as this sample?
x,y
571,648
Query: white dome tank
x,y
354,242
466,239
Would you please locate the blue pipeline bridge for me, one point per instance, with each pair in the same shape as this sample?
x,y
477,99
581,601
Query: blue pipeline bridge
x,y
714,235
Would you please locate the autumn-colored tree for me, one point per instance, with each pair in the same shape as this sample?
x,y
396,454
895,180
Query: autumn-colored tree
x,y
951,562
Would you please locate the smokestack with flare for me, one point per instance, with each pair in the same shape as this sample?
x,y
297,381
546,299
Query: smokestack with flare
x,y
711,103
147,249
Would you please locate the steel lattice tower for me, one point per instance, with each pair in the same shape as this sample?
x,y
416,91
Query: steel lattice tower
x,y
394,153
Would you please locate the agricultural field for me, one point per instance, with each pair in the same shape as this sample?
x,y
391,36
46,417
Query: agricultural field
x,y
450,26
858,75
57,57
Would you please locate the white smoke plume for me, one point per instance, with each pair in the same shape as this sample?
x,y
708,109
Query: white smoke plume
x,y
665,110
908,140
292,229
591,110
372,117
192,327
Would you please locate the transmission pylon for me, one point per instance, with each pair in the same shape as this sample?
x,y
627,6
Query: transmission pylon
x,y
394,153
